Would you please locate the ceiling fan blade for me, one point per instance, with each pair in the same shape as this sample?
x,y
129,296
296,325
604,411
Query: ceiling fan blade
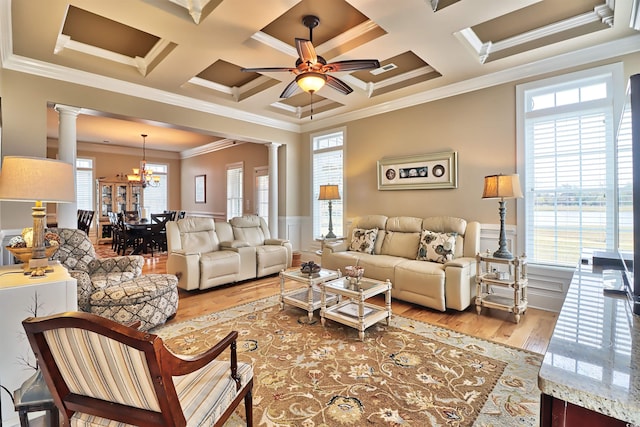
x,y
289,90
306,51
352,65
338,85
265,69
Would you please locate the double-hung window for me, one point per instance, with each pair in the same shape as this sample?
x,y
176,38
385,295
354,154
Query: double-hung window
x,y
328,168
568,152
155,198
235,194
84,184
262,192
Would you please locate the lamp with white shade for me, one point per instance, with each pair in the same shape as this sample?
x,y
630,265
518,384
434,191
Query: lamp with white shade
x,y
329,192
39,180
502,187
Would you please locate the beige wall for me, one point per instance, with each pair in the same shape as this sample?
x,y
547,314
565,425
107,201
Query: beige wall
x,y
213,165
479,125
24,132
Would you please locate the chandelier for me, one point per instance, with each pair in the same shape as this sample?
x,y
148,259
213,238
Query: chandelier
x,y
143,175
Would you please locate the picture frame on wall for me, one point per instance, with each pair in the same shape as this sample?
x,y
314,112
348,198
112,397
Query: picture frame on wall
x,y
420,172
201,188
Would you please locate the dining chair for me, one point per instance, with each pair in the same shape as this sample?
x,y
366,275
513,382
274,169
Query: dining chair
x,y
158,235
85,217
101,372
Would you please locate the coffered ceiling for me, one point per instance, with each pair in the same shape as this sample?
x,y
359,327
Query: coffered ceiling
x,y
195,49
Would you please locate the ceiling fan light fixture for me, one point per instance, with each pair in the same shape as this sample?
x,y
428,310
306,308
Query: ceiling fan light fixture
x,y
311,81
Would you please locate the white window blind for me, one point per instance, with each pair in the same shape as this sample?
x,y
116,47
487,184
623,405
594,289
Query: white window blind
x,y
155,198
84,184
328,168
569,170
234,190
262,193
625,182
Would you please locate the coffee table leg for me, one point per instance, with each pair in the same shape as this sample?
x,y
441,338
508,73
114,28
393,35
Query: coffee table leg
x,y
281,290
323,304
387,301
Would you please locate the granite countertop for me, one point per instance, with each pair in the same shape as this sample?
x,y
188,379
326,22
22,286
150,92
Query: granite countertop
x,y
593,358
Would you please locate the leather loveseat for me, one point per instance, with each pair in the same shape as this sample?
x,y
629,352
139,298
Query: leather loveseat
x,y
204,253
429,261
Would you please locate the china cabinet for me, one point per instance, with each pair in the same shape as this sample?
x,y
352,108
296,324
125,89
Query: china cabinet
x,y
114,195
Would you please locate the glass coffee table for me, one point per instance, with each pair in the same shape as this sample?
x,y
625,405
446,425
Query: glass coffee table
x,y
354,311
310,298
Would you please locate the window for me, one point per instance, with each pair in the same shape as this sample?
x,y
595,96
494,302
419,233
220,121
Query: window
x,y
234,190
569,165
262,192
84,184
328,168
155,198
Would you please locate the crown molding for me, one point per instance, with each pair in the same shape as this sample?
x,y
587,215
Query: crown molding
x,y
209,148
70,75
588,55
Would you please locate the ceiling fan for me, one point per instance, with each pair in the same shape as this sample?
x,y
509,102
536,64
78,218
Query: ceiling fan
x,y
312,70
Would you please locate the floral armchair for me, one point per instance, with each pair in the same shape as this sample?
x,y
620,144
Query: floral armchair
x,y
78,255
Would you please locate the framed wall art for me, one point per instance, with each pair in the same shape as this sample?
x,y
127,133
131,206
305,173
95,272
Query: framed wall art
x,y
201,188
427,171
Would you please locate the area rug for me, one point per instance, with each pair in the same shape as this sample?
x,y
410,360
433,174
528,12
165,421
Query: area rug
x,y
407,374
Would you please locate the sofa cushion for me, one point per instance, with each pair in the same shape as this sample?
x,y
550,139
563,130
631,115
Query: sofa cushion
x,y
363,240
436,247
399,244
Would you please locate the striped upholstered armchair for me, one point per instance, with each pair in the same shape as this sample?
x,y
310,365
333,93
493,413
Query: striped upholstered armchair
x,y
102,373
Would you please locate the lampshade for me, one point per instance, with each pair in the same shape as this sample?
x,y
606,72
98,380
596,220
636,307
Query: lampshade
x,y
502,187
329,192
31,179
311,81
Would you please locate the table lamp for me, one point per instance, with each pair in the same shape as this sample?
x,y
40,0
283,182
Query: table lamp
x,y
39,180
502,187
329,192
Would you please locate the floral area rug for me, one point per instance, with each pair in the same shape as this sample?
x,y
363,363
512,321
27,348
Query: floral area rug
x,y
407,374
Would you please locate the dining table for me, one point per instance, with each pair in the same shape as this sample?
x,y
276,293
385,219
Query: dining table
x,y
141,231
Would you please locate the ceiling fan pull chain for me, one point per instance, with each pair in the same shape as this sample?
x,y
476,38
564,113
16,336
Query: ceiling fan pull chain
x,y
311,95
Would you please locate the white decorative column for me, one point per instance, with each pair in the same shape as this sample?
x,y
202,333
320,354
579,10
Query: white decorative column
x,y
67,149
273,188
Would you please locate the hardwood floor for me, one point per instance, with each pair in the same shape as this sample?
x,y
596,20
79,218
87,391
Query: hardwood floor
x,y
532,333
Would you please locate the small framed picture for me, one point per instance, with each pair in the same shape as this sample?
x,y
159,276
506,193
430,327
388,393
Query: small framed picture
x,y
201,188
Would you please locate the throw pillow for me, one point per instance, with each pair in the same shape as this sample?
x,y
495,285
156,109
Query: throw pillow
x,y
436,247
363,240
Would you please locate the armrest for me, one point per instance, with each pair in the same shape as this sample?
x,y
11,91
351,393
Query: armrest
x,y
117,264
181,365
335,246
276,242
461,262
234,244
85,288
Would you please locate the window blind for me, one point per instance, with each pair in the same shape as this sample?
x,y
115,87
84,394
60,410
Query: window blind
x,y
84,184
570,177
155,198
328,169
234,191
262,194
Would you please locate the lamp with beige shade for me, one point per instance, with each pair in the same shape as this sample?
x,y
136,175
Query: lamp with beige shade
x,y
39,180
502,187
329,192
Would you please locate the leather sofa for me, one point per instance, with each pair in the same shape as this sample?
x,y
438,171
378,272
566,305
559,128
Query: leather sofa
x,y
429,261
204,253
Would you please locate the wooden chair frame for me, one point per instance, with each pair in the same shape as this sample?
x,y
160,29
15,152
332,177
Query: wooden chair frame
x,y
161,362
